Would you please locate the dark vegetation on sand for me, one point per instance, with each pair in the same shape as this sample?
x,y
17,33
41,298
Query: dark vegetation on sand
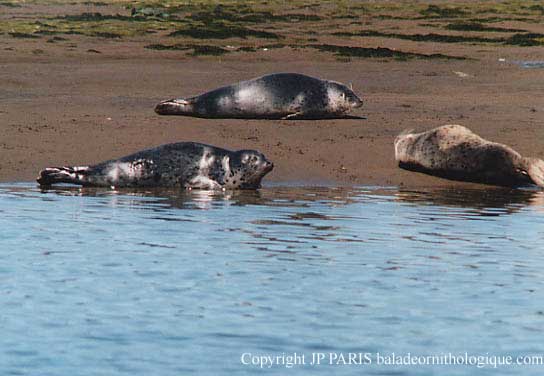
x,y
526,39
201,28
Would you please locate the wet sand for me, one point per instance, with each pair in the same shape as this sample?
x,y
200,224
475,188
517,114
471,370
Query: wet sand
x,y
62,105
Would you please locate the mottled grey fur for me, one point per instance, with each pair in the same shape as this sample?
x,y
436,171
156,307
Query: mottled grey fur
x,y
275,96
454,152
182,164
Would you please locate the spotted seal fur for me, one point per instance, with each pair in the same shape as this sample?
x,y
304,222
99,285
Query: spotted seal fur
x,y
455,152
275,96
182,164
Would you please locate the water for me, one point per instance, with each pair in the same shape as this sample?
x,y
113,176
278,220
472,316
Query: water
x,y
531,64
97,282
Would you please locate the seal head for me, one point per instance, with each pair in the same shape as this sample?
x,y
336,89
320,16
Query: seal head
x,y
246,169
341,99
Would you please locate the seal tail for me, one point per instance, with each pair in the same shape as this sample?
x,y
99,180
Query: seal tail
x,y
54,175
535,170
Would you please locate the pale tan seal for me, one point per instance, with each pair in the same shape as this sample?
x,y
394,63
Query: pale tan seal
x,y
455,152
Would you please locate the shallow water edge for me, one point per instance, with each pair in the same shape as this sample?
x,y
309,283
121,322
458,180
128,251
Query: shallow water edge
x,y
98,281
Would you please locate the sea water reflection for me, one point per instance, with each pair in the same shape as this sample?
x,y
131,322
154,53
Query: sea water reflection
x,y
167,282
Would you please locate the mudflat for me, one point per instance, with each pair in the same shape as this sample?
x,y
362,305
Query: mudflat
x,y
79,79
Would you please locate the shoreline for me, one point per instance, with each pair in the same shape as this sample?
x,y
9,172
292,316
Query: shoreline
x,y
63,103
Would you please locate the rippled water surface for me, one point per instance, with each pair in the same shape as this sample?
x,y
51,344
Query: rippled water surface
x,y
97,282
531,64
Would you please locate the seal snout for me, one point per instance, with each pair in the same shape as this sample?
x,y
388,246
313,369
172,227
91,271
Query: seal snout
x,y
268,166
357,102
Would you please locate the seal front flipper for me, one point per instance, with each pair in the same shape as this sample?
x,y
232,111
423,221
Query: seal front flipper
x,y
55,175
294,116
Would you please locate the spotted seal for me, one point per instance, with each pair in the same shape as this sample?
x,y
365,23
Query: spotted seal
x,y
182,164
455,152
275,96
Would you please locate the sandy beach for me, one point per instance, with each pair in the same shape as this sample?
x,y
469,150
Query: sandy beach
x,y
81,99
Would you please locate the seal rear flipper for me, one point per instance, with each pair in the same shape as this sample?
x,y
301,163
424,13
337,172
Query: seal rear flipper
x,y
55,175
535,170
176,106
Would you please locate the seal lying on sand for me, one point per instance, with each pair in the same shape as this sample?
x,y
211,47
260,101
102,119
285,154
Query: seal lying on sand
x,y
183,164
454,152
275,96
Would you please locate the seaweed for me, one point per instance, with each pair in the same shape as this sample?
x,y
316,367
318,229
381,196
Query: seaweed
x,y
46,32
23,35
424,37
347,51
500,19
247,49
163,47
538,8
95,3
526,40
346,16
56,39
522,39
434,11
219,30
476,26
94,17
104,34
99,17
208,50
219,13
197,49
275,45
